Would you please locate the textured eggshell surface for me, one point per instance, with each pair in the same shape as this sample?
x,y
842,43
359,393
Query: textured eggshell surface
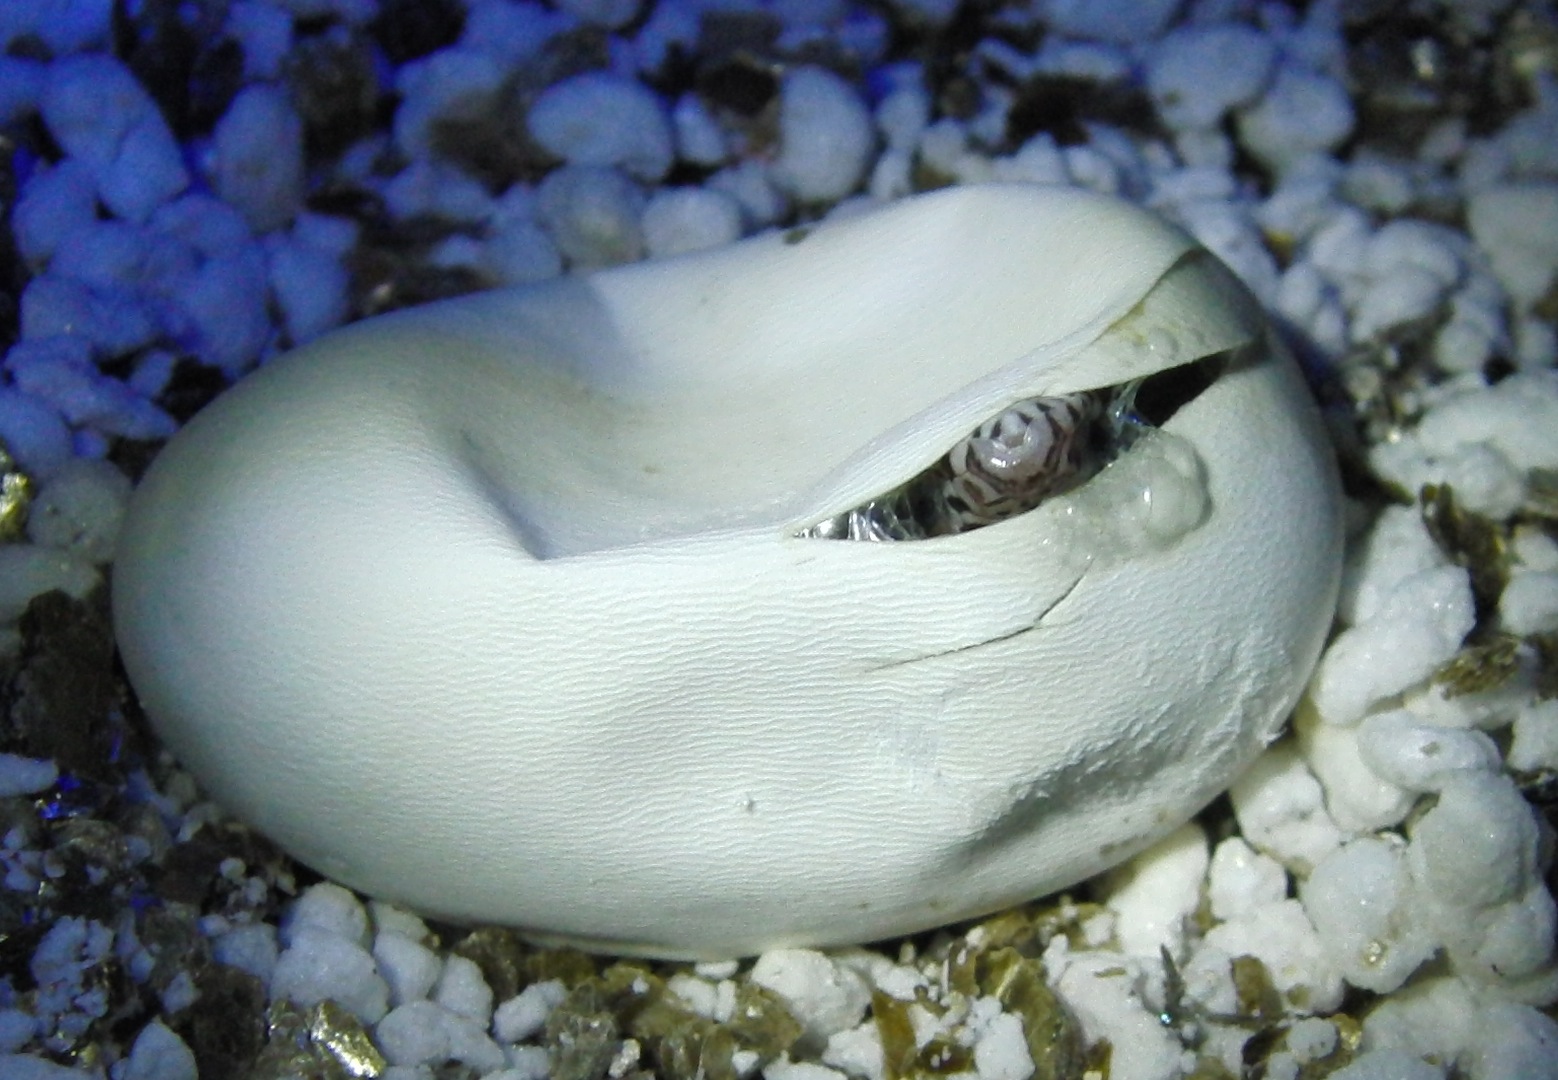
x,y
496,608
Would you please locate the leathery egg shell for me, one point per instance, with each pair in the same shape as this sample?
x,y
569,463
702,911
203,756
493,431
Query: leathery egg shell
x,y
516,608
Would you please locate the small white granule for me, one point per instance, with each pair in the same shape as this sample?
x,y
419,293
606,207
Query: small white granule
x,y
319,964
1303,112
511,33
1513,946
1535,743
785,1069
452,81
1395,298
825,136
265,34
437,188
1484,480
701,996
28,570
521,253
1086,165
17,1028
625,1059
426,1033
1512,1042
158,1054
901,981
257,157
67,951
749,183
1103,990
1282,938
1478,846
1380,183
1303,203
1229,232
1529,603
1418,626
80,509
1476,860
112,318
204,222
682,219
1281,810
1388,1065
97,111
329,908
669,25
716,969
111,253
55,202
945,143
1241,879
1397,547
903,116
310,285
1037,161
225,301
523,1016
1431,1016
857,1051
892,177
1197,73
1534,549
1517,225
1486,710
249,947
1397,747
824,996
152,373
599,118
535,1063
1360,901
1338,245
33,433
1536,343
1001,1050
1518,417
1311,1039
1358,798
408,966
463,991
1175,186
699,139
593,215
1156,893
1208,979
1415,245
25,776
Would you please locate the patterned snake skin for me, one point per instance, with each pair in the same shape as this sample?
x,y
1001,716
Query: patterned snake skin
x,y
1012,462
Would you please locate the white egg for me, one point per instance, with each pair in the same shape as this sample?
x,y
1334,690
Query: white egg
x,y
518,608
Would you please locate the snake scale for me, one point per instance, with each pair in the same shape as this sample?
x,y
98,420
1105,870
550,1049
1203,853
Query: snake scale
x,y
1030,451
